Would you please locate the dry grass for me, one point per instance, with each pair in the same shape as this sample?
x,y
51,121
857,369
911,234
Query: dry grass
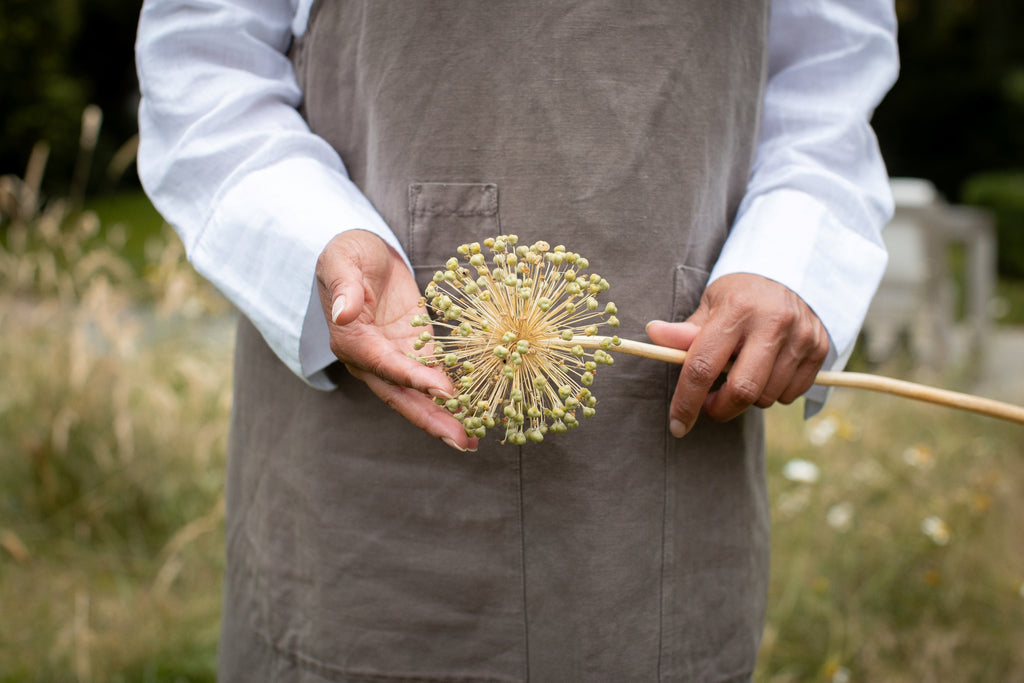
x,y
112,433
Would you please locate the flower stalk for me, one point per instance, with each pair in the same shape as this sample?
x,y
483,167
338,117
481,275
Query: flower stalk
x,y
515,328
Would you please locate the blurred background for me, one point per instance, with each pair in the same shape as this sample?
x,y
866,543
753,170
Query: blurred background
x,y
899,527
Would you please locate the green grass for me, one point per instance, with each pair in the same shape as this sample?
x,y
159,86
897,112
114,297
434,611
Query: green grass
x,y
113,421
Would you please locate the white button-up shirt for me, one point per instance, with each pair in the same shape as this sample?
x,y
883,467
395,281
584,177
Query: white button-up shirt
x,y
255,195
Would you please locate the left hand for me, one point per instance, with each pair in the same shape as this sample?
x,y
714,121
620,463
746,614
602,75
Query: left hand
x,y
775,340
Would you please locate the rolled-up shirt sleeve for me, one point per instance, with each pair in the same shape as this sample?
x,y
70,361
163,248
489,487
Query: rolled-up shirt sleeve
x,y
818,196
230,163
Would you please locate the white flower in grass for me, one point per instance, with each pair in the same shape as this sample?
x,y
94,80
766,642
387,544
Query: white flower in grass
x,y
821,431
802,471
934,528
841,675
840,516
920,456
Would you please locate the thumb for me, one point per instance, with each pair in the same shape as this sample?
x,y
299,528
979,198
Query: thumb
x,y
674,335
339,277
344,299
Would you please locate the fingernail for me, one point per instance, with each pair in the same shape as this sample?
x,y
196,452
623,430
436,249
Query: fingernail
x,y
439,393
677,428
454,445
338,308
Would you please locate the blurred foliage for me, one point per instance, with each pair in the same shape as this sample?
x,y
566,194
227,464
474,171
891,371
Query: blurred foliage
x,y
56,57
113,428
958,107
895,544
1003,193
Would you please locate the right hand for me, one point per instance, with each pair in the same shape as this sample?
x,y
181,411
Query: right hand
x,y
369,298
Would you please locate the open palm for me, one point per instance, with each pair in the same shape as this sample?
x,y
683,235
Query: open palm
x,y
369,298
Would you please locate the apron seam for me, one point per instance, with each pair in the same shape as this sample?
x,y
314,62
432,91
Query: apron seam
x,y
522,565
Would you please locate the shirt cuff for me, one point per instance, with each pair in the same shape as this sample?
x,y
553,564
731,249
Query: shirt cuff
x,y
790,237
270,274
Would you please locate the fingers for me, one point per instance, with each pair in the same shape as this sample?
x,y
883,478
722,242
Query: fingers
x,y
776,343
420,410
707,358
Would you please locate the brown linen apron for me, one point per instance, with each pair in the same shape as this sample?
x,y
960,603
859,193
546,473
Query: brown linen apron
x,y
361,549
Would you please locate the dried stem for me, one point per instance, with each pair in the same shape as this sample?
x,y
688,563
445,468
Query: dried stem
x,y
855,380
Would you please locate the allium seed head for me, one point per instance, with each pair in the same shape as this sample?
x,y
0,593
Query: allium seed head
x,y
510,337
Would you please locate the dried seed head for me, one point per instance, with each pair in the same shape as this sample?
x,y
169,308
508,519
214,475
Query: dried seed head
x,y
506,336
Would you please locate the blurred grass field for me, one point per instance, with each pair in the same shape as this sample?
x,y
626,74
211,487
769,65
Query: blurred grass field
x,y
898,527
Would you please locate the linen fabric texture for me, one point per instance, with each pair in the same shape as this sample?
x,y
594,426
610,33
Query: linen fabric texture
x,y
359,548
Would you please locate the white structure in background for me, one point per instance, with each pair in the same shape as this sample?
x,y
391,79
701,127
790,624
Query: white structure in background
x,y
916,300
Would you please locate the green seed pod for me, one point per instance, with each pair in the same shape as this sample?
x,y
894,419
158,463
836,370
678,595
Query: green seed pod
x,y
587,378
533,412
588,411
425,336
443,303
569,275
610,308
452,405
508,337
577,351
477,260
452,264
591,304
590,366
450,360
523,346
534,434
564,391
509,371
558,427
468,367
590,331
518,439
582,263
465,329
438,276
418,344
613,321
500,352
463,249
567,335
